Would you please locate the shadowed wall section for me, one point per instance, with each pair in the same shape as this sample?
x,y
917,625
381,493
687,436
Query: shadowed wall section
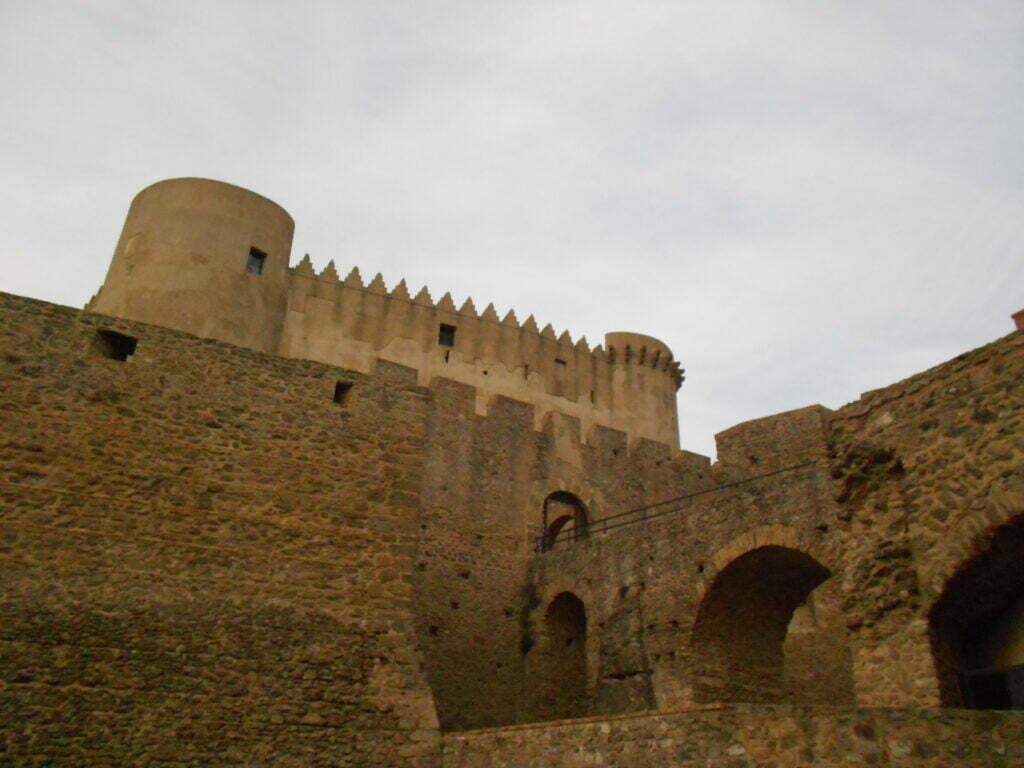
x,y
977,626
742,624
556,668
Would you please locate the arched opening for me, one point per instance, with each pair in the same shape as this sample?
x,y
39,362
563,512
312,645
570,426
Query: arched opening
x,y
760,636
977,627
565,519
558,662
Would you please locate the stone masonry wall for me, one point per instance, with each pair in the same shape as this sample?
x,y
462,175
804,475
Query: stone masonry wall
x,y
485,481
927,471
206,561
842,566
209,561
753,737
644,584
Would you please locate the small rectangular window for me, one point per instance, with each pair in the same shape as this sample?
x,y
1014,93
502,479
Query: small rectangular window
x,y
446,335
559,361
114,345
256,261
341,390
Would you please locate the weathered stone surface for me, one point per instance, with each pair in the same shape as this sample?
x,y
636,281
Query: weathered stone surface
x,y
752,737
205,560
213,556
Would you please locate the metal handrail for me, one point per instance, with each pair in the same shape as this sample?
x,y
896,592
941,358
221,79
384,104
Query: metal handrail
x,y
636,515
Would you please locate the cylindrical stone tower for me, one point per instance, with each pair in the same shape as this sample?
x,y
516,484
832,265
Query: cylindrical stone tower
x,y
645,378
204,257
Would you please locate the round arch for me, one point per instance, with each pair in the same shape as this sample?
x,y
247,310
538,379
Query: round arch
x,y
763,536
565,518
758,635
557,664
976,625
973,536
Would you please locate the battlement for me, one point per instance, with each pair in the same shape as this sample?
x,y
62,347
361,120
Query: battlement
x,y
212,259
347,322
632,348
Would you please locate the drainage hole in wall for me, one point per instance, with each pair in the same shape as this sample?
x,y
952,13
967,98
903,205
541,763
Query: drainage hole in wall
x,y
341,390
114,345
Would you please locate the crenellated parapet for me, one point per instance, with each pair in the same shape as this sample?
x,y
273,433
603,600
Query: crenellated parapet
x,y
348,322
643,351
212,259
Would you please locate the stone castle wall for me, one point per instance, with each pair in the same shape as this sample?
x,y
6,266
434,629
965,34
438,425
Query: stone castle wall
x,y
870,568
644,585
930,475
628,385
221,557
212,259
485,482
753,737
206,560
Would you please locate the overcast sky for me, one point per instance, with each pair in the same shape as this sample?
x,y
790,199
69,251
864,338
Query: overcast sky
x,y
805,201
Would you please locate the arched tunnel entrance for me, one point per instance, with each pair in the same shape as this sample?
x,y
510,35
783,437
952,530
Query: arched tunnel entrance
x,y
977,627
759,635
557,664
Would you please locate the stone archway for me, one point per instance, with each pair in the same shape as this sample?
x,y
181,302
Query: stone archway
x,y
557,664
977,625
762,633
565,519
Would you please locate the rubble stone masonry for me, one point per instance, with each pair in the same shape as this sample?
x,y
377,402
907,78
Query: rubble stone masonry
x,y
213,556
205,560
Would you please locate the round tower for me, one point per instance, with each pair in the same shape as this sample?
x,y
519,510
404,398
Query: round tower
x,y
645,378
203,257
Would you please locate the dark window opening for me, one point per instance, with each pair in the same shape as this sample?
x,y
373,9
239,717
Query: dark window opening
x,y
560,361
341,390
565,520
114,345
256,261
446,335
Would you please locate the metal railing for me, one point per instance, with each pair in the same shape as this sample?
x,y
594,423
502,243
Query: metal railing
x,y
642,514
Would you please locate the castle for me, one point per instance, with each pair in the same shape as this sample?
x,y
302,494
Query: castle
x,y
256,516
